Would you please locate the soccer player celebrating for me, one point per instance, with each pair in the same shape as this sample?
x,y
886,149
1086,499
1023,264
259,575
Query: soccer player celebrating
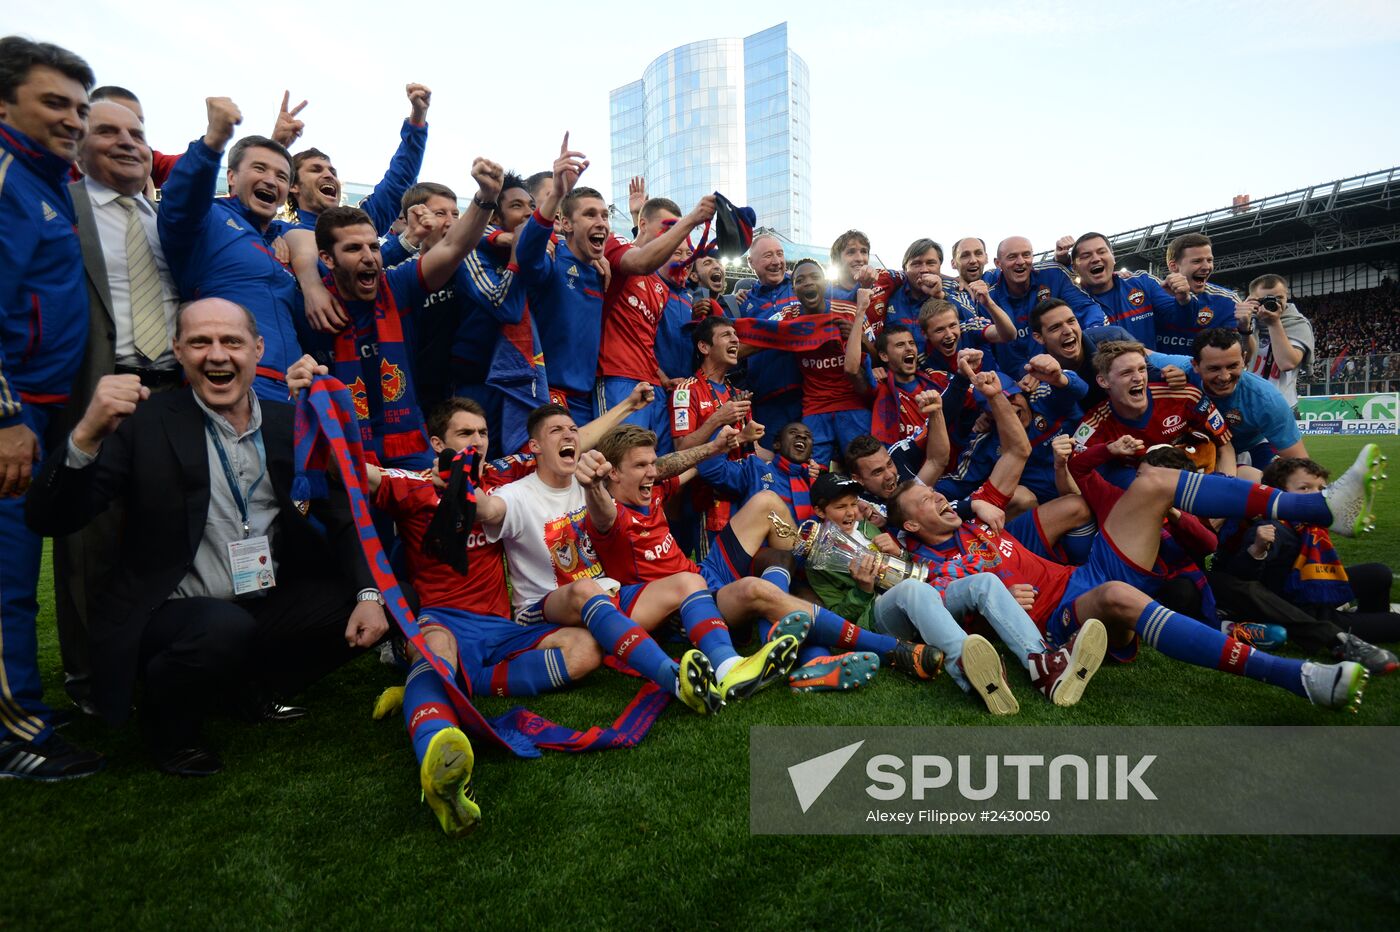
x,y
565,288
372,353
635,303
1121,570
1205,305
896,413
1261,423
1019,285
914,609
832,408
554,568
1151,411
1132,302
627,523
704,404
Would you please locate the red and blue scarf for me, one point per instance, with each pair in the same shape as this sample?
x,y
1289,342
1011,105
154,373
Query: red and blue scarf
x,y
391,424
894,406
799,486
325,437
801,333
1317,576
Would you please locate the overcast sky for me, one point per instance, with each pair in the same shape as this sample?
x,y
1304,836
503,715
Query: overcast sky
x,y
929,118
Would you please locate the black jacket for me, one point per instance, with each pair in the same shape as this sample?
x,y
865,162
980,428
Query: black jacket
x,y
158,464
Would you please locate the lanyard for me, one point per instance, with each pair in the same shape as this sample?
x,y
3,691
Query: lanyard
x,y
232,480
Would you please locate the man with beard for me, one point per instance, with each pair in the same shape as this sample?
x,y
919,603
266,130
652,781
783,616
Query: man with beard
x,y
222,247
1132,303
1261,423
1202,305
773,376
565,288
1018,285
372,354
706,403
897,412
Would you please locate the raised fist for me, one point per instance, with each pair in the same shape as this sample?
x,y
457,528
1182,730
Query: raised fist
x,y
224,115
592,467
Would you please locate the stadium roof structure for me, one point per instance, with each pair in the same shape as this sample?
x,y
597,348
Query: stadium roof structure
x,y
1351,220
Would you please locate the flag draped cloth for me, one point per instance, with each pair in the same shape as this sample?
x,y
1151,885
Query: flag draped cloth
x,y
326,438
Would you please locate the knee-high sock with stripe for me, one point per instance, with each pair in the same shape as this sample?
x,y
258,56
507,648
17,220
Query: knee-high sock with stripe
x,y
1183,638
1226,497
426,708
529,674
627,641
705,628
780,577
833,631
1078,541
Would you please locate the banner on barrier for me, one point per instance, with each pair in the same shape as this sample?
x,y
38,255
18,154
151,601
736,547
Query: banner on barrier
x,y
1376,413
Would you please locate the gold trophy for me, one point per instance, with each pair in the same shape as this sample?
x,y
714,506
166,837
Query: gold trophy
x,y
826,547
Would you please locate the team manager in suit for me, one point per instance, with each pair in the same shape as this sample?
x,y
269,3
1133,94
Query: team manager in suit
x,y
199,468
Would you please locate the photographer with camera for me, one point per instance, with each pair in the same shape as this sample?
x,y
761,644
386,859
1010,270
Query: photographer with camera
x,y
1279,339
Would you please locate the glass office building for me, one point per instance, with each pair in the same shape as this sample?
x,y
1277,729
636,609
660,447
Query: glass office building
x,y
727,115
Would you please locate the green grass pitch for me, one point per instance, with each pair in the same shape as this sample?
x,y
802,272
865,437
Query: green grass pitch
x,y
318,824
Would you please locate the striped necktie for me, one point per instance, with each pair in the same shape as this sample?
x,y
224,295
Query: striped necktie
x,y
148,327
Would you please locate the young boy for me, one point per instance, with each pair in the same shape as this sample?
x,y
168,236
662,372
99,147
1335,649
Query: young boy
x,y
913,609
1298,560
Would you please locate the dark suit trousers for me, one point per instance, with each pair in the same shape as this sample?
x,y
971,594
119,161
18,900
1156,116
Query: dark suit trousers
x,y
199,654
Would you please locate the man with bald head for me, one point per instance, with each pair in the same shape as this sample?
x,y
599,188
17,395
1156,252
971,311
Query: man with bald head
x,y
131,319
773,375
1017,285
225,593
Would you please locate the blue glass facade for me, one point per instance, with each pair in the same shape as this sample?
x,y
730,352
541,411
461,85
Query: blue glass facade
x,y
728,115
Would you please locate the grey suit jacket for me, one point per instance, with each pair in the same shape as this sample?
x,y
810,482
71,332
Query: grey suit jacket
x,y
100,358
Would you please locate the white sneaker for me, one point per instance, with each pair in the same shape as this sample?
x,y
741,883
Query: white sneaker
x,y
1350,498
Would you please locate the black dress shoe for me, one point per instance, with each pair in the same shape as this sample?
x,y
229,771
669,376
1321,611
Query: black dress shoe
x,y
191,762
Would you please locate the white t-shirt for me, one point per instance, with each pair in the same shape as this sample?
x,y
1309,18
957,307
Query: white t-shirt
x,y
545,540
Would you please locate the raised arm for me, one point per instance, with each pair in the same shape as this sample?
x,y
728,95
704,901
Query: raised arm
x,y
591,434
593,470
437,264
1003,330
937,449
645,259
674,464
855,349
382,204
1015,445
189,193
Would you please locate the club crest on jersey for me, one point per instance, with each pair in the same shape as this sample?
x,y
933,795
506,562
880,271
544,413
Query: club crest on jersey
x,y
1204,316
1136,297
1042,293
360,397
391,380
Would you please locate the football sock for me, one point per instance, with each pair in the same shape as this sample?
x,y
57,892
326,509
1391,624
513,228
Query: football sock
x,y
1078,541
780,577
1226,497
1195,642
625,640
705,628
531,673
831,630
426,708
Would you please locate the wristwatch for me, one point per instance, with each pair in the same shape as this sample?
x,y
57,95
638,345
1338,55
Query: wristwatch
x,y
484,205
369,595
